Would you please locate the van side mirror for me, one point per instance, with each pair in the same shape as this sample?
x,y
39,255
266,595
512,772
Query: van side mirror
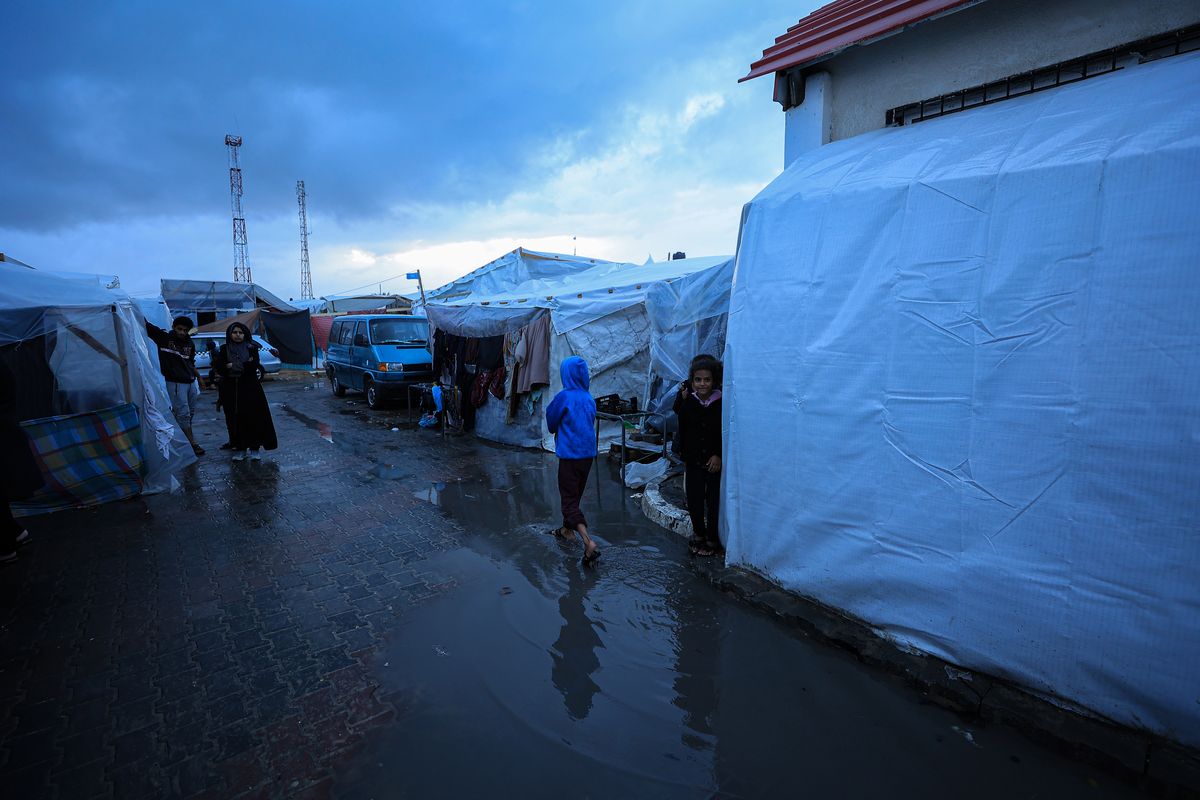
x,y
360,340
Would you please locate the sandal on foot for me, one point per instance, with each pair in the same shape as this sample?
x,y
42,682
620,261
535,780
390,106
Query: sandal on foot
x,y
562,534
591,558
703,550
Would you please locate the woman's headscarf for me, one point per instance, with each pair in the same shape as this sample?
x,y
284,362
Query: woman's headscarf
x,y
238,352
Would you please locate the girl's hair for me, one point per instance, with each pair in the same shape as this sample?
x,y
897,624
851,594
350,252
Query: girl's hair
x,y
710,363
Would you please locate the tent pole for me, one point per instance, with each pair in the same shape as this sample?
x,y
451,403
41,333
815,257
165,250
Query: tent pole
x,y
122,357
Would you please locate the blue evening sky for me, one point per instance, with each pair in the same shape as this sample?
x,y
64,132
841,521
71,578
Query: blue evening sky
x,y
432,135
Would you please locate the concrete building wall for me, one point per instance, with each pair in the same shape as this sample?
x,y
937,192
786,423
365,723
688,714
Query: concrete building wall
x,y
991,40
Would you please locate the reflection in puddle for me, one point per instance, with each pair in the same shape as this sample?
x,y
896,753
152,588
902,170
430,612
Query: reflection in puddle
x,y
638,679
431,495
389,472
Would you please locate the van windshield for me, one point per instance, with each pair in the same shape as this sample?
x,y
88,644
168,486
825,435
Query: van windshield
x,y
399,331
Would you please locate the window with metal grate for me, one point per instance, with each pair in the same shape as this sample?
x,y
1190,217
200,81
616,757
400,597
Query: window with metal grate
x,y
1184,40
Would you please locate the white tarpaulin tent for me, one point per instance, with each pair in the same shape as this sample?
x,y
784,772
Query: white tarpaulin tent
x,y
963,383
597,311
687,318
98,354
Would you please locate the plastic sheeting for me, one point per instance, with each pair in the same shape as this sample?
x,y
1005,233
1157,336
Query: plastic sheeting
x,y
184,295
98,353
967,351
188,295
518,267
155,311
575,296
687,317
597,308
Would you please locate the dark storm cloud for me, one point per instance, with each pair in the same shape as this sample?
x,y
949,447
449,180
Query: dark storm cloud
x,y
118,111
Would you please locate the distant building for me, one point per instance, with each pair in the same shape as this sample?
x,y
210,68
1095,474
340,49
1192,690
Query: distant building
x,y
857,65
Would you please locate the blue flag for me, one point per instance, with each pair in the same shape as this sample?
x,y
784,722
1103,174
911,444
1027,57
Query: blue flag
x,y
413,276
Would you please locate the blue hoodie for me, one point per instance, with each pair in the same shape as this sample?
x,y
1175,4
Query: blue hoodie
x,y
571,415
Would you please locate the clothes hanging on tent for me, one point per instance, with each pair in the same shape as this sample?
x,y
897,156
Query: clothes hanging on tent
x,y
533,355
441,351
511,341
491,352
496,383
479,389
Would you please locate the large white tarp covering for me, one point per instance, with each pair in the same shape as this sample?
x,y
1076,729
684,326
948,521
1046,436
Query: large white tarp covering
x,y
687,318
509,291
963,384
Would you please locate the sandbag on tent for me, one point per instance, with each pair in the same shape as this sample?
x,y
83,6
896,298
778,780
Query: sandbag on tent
x,y
967,351
85,348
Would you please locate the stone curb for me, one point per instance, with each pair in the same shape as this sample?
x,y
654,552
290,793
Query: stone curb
x,y
1159,766
663,513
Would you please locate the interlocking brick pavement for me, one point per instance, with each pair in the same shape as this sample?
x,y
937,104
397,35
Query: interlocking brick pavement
x,y
214,642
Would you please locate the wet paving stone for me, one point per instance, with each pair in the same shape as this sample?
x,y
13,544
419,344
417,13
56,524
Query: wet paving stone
x,y
309,626
164,646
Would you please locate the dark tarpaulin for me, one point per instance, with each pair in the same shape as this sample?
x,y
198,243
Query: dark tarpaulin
x,y
291,334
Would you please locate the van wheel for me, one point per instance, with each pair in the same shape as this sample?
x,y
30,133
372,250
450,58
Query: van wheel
x,y
336,385
371,392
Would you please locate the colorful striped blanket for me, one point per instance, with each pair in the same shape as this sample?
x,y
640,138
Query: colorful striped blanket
x,y
86,459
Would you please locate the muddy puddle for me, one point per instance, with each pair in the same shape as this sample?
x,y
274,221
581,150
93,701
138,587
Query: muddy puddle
x,y
537,678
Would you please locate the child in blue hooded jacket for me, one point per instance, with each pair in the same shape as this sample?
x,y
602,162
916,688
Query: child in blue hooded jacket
x,y
571,417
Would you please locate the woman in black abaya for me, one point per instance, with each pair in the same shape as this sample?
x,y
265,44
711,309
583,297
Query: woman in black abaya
x,y
246,411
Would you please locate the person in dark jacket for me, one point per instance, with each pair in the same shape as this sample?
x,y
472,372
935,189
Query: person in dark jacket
x,y
247,414
698,407
20,475
571,417
177,360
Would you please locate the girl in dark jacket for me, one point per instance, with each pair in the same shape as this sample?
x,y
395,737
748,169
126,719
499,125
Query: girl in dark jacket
x,y
698,407
235,366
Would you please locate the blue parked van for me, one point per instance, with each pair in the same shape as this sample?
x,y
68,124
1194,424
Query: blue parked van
x,y
379,355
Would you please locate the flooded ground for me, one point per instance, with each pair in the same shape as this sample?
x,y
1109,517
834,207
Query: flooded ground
x,y
375,611
537,677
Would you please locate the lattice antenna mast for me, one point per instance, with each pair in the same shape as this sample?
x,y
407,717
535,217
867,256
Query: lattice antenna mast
x,y
306,292
241,269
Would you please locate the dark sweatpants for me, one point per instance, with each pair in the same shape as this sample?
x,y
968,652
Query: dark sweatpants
x,y
572,478
703,490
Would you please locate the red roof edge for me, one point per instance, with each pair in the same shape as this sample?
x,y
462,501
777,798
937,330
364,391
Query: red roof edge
x,y
843,23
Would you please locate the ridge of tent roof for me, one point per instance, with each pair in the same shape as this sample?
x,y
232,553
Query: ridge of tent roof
x,y
843,23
